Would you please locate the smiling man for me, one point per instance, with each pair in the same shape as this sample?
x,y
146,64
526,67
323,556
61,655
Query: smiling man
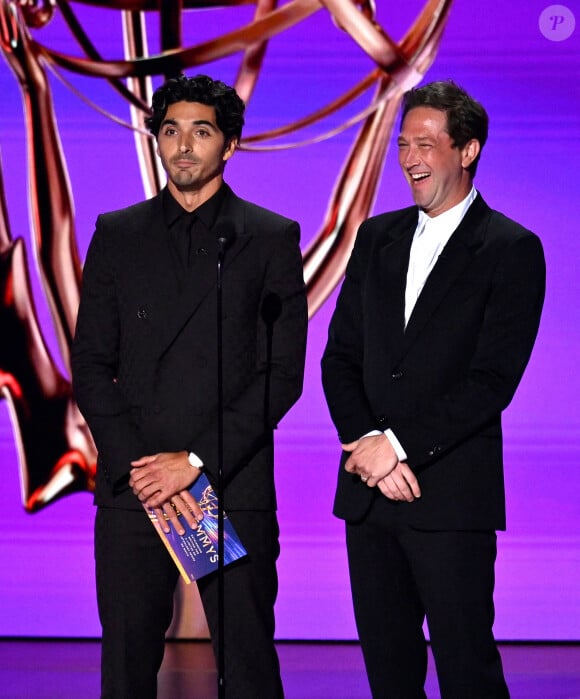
x,y
433,328
145,377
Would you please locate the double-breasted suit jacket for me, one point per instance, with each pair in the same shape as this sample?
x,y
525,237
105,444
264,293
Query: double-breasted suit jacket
x,y
145,351
442,382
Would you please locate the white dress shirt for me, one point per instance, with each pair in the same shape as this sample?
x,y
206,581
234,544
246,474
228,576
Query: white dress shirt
x,y
431,236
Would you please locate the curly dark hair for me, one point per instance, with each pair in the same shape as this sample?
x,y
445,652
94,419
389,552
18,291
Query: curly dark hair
x,y
229,108
466,118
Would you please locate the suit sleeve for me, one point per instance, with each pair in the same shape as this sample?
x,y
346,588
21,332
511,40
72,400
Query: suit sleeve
x,y
95,363
276,384
343,358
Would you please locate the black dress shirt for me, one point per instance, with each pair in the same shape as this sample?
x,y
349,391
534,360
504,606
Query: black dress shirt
x,y
187,230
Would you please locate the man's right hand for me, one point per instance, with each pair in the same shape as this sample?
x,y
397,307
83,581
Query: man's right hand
x,y
400,484
184,503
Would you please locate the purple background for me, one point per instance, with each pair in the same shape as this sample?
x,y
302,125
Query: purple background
x,y
529,170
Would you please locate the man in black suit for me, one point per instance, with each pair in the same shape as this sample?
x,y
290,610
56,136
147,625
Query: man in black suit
x,y
145,378
433,327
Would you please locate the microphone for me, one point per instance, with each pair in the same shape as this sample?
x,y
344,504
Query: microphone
x,y
226,235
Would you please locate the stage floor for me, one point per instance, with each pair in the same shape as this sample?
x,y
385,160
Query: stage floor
x,y
69,670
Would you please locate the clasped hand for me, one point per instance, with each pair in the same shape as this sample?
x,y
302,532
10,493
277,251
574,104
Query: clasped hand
x,y
161,483
375,461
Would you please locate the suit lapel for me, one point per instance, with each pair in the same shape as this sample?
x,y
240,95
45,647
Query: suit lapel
x,y
232,217
456,255
154,264
393,261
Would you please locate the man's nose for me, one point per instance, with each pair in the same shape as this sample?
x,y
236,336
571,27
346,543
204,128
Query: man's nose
x,y
410,156
184,146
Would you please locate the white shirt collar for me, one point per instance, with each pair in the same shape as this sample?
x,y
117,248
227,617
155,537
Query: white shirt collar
x,y
447,222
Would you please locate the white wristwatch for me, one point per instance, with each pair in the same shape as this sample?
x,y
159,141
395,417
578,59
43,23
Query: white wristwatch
x,y
194,460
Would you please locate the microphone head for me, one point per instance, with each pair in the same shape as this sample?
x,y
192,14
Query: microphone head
x,y
226,232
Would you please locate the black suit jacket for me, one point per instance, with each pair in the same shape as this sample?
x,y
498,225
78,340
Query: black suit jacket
x,y
145,352
442,383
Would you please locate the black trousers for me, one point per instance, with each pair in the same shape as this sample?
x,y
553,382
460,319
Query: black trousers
x,y
136,580
401,575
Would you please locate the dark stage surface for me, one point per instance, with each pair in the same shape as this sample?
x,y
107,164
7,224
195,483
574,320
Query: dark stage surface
x,y
69,670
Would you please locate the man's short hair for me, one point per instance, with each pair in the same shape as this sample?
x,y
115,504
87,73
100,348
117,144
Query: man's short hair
x,y
229,107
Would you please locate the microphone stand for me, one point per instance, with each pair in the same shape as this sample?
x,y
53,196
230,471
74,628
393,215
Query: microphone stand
x,y
222,241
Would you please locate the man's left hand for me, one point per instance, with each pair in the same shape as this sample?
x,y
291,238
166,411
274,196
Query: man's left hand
x,y
371,457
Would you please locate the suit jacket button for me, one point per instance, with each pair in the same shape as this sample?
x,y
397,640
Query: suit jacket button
x,y
142,314
396,375
381,419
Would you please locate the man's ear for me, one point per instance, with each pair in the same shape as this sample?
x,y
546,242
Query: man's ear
x,y
230,148
469,152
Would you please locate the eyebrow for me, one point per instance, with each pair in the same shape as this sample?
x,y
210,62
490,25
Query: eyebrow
x,y
416,139
197,122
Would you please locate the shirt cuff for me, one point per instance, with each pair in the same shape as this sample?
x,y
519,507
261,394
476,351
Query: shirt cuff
x,y
399,451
